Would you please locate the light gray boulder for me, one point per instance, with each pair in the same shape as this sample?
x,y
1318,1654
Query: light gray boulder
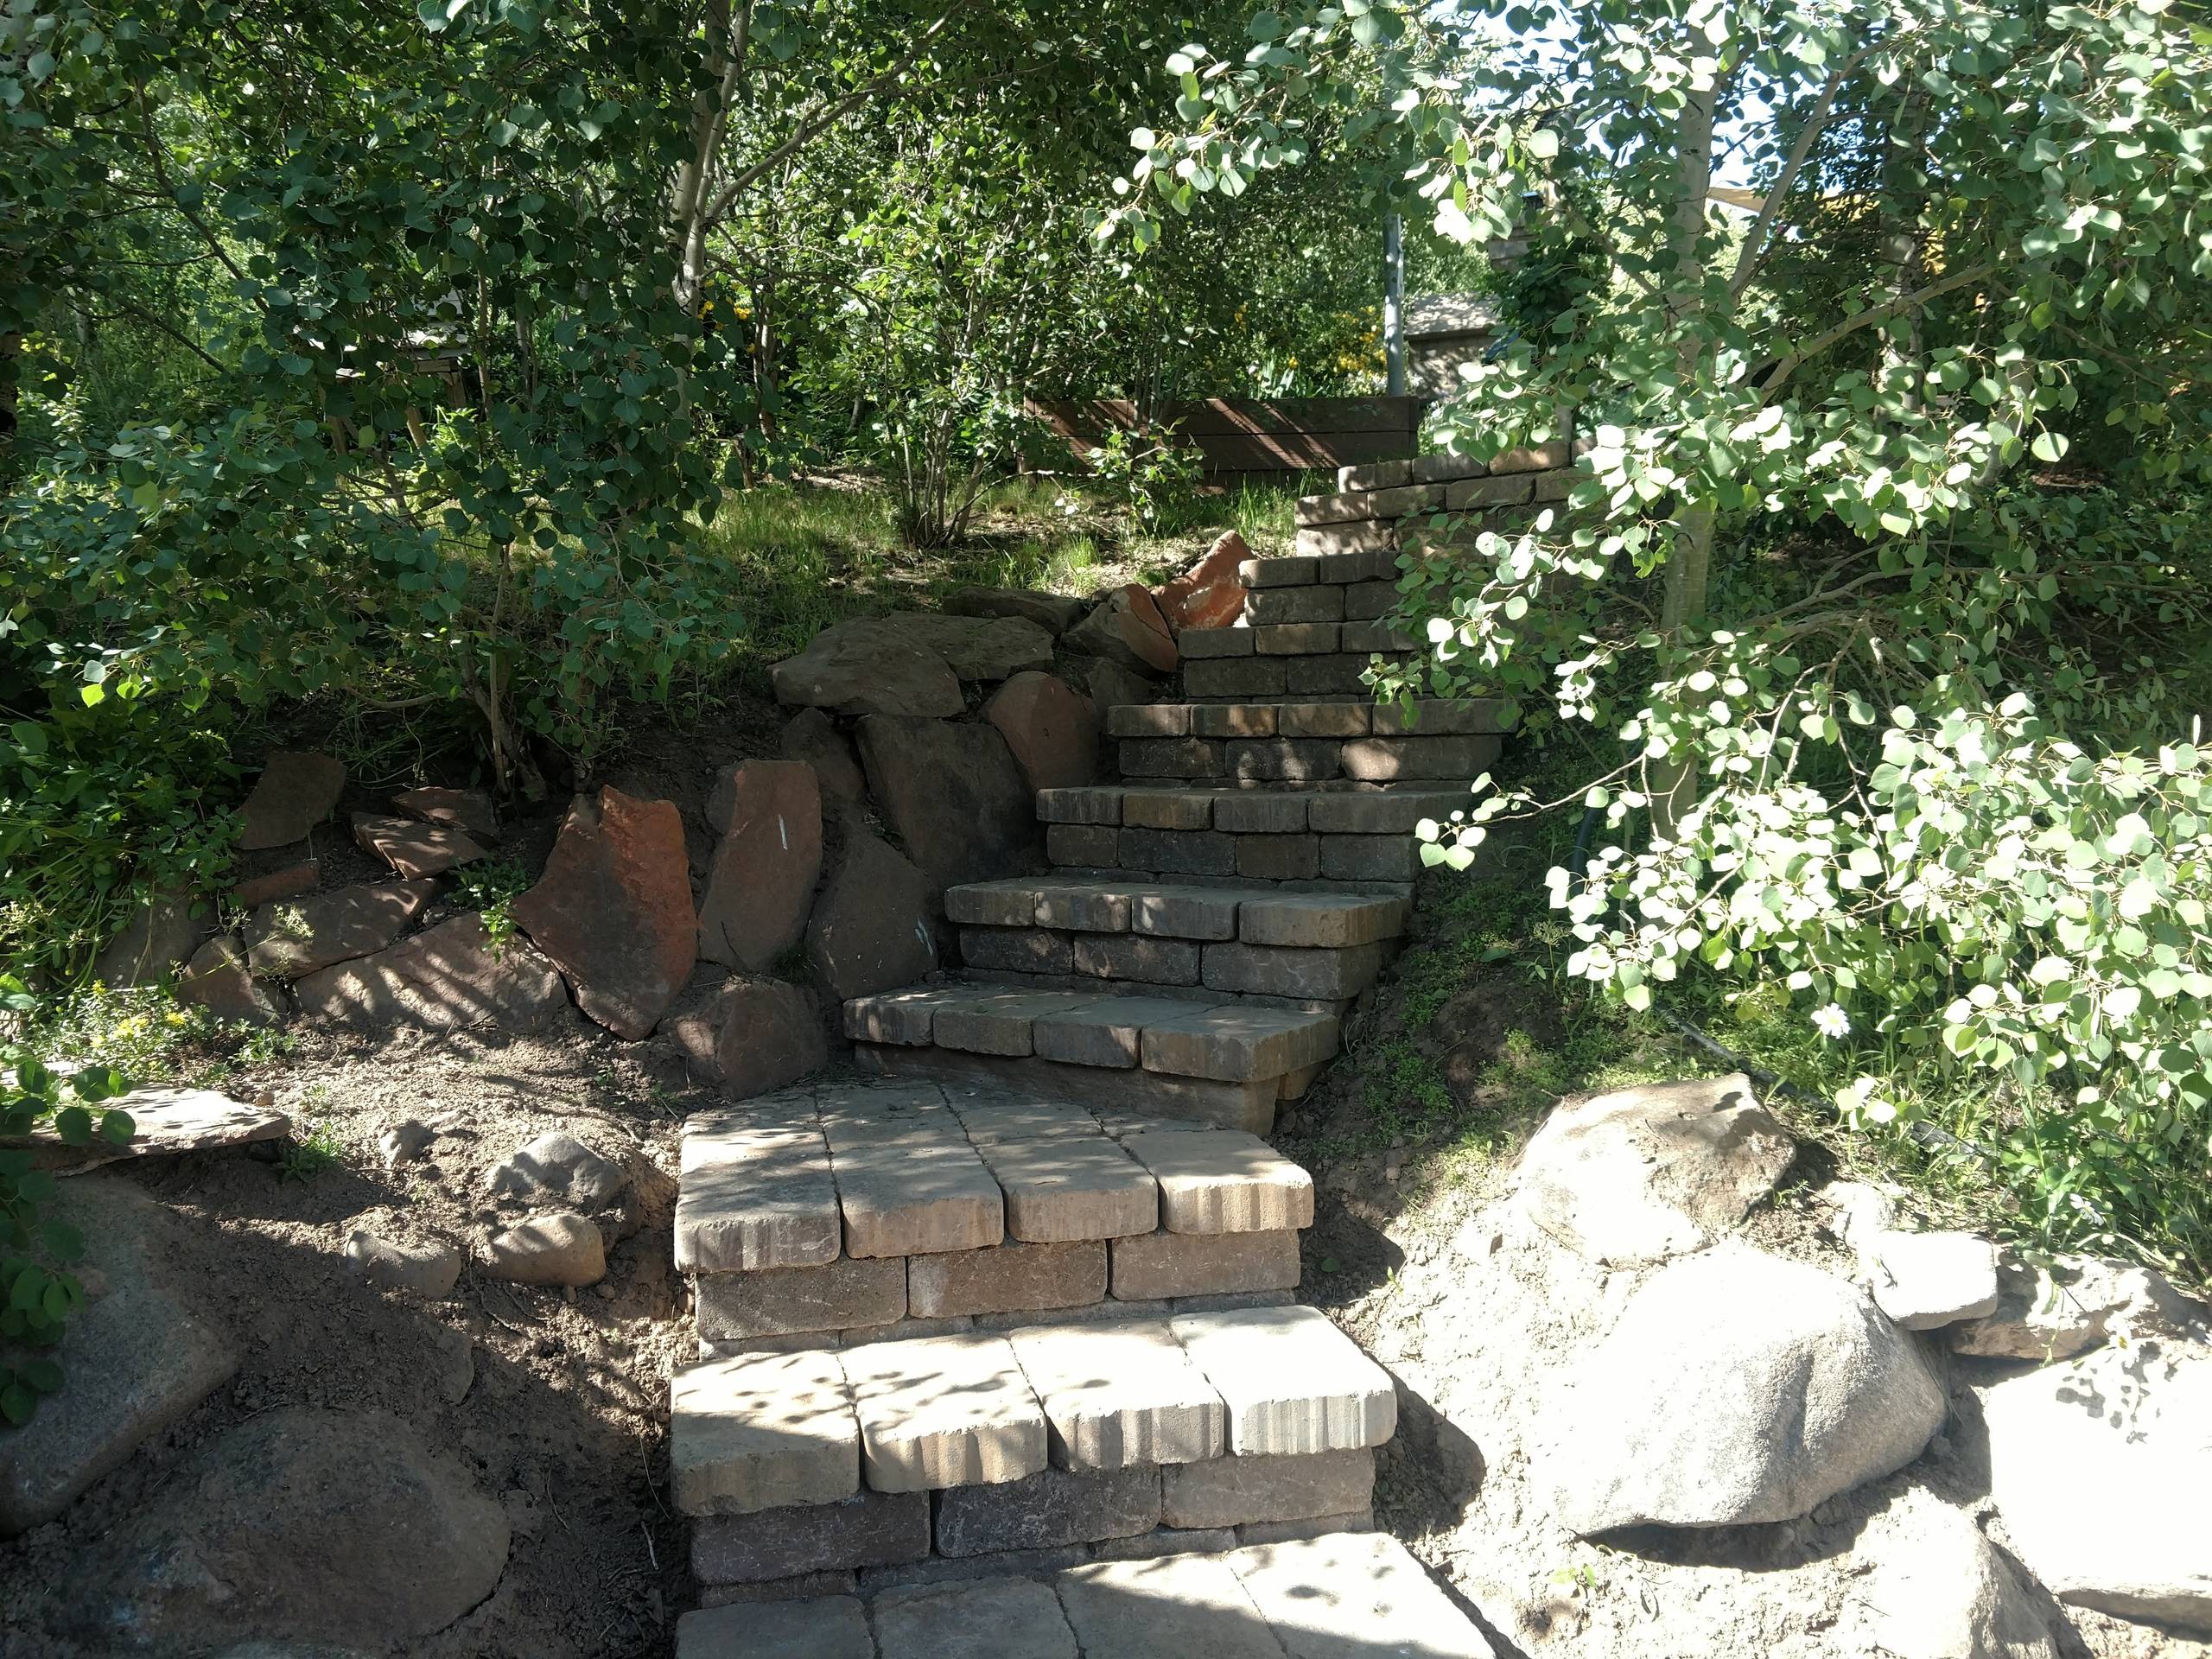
x,y
1736,1386
2073,1304
2101,1468
1937,1589
1644,1174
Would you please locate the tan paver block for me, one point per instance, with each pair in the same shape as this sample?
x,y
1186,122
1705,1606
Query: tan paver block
x,y
1292,1381
1059,1189
993,1022
842,1295
1348,1595
1237,1044
1120,1393
943,1411
1006,1279
761,1430
755,1192
908,1181
897,1016
1171,1607
987,1118
1103,1031
1204,1264
1319,920
1189,913
1222,1182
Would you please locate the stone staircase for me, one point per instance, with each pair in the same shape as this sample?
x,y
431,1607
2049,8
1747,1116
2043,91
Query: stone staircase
x,y
997,1338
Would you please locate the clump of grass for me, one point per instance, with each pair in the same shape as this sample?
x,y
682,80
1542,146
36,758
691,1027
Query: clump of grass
x,y
490,885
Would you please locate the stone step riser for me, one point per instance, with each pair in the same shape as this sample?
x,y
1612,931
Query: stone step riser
x,y
1318,669
1337,1009
1307,760
1230,1105
1255,916
1210,853
1425,717
1229,967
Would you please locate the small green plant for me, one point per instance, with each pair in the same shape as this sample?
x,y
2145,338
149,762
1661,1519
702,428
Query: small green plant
x,y
490,887
263,1044
309,1155
1149,470
37,1292
140,1030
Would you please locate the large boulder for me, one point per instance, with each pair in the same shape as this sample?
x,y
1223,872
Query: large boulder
x,y
450,975
134,1358
1054,613
1938,1590
2073,1304
1126,627
871,926
852,668
973,647
813,737
294,793
1052,731
1110,685
289,938
953,793
1210,593
613,910
760,881
303,1524
2101,1468
752,1036
1644,1174
1736,1386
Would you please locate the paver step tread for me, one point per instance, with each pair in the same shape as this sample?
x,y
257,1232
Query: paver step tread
x,y
759,1431
1344,1595
1312,718
1263,915
1326,807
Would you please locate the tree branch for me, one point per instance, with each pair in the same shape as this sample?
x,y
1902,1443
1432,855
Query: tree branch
x,y
1866,318
1747,257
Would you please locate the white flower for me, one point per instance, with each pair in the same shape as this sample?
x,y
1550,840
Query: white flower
x,y
1832,1021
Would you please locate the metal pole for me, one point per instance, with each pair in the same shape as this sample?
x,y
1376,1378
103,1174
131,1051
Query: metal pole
x,y
1394,306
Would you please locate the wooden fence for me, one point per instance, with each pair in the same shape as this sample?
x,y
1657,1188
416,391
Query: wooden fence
x,y
1255,434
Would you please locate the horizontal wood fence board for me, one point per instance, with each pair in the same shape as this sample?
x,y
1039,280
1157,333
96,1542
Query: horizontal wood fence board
x,y
1256,435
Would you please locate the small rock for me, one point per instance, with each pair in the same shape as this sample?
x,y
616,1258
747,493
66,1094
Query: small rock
x,y
219,980
1210,594
813,737
613,910
1926,1281
1126,627
2069,1307
871,926
429,1268
414,848
2099,1467
160,934
559,1166
1054,613
1735,1388
293,938
294,793
1643,1175
288,883
605,1291
455,1359
1052,732
1938,1591
563,1249
405,1141
1858,1211
754,1036
464,809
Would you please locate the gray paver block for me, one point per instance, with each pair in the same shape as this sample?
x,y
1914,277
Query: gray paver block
x,y
1319,920
1369,858
1105,1031
761,1430
1348,1595
1292,1381
1239,1043
1148,720
754,1191
1084,906
987,1619
1382,812
1045,1511
1058,1189
1247,1491
1278,970
1325,718
992,903
991,1117
943,1411
1006,1279
1121,1393
997,1022
867,1529
1167,809
826,1627
1220,1181
1204,1264
1079,806
1134,956
1188,1606
1235,719
898,1016
1199,644
788,1302
1000,949
1258,812
1175,911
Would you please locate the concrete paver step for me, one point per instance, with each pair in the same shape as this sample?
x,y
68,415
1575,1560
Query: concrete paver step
x,y
757,1432
1175,910
1339,718
1369,758
1332,833
1342,1596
